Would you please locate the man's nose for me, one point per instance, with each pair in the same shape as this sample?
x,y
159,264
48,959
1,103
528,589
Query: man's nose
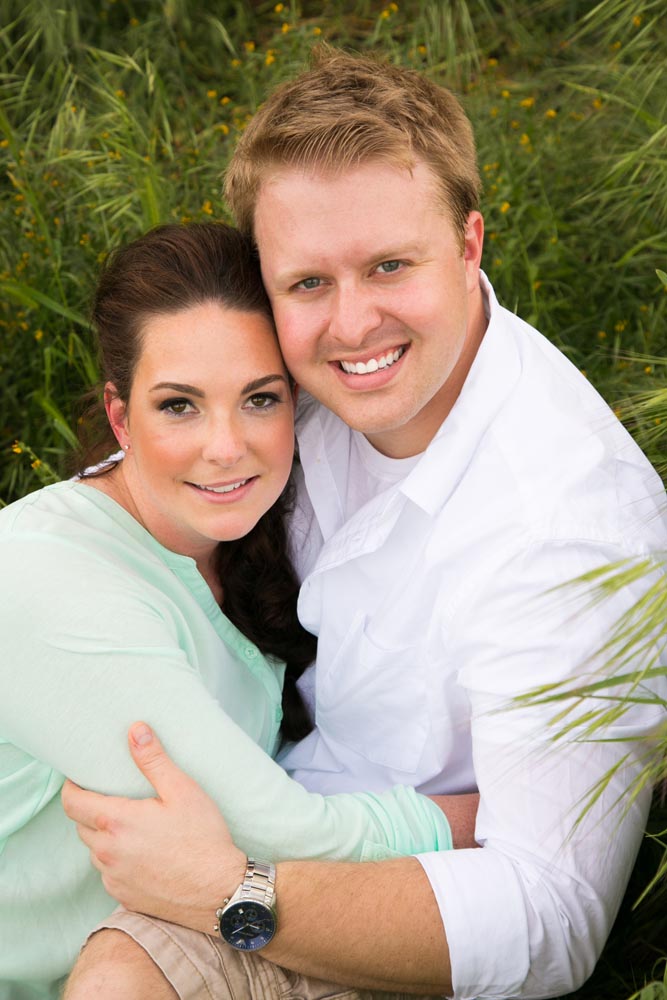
x,y
355,314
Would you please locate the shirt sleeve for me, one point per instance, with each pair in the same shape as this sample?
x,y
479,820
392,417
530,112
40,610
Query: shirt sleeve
x,y
86,652
529,913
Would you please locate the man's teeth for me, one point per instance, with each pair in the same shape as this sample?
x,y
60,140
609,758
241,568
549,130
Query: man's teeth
x,y
224,489
372,365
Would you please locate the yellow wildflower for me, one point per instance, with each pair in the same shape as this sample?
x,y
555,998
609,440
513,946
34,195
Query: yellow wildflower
x,y
223,128
279,8
597,103
637,20
527,102
121,93
602,334
36,463
270,58
492,62
505,94
317,31
134,22
648,369
4,143
525,139
249,46
16,448
207,207
224,100
505,207
550,113
285,27
211,93
620,326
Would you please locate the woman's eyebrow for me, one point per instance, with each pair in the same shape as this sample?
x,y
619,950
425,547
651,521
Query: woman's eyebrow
x,y
191,390
259,383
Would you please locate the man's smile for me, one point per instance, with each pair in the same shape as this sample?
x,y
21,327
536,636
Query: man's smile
x,y
372,364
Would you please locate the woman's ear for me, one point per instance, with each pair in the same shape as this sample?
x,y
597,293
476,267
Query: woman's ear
x,y
117,415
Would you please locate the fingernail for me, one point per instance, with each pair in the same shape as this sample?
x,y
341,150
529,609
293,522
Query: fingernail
x,y
142,734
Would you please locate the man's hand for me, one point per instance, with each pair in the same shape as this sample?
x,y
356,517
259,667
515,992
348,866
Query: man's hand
x,y
171,856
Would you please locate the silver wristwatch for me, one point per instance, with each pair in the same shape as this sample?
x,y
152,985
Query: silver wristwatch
x,y
247,920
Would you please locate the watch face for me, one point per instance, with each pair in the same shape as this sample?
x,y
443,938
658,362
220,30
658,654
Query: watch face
x,y
248,925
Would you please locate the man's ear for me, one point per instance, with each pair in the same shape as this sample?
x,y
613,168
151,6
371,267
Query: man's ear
x,y
117,415
472,248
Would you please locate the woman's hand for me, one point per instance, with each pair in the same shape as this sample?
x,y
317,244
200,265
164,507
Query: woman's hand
x,y
171,856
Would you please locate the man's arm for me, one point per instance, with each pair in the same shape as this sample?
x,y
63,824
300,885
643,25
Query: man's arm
x,y
380,926
388,932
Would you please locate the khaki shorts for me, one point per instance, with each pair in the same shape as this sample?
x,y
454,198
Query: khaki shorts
x,y
201,967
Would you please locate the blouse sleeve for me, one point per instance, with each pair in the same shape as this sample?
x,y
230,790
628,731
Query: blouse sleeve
x,y
86,653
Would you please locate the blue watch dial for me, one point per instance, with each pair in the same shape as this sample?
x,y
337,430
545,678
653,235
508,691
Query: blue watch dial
x,y
247,925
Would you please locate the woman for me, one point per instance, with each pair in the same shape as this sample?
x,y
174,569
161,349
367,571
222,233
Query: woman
x,y
111,598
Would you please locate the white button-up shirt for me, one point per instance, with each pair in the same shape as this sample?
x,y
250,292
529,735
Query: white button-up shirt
x,y
434,606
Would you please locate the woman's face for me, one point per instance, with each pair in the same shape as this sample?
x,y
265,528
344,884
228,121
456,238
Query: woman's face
x,y
208,429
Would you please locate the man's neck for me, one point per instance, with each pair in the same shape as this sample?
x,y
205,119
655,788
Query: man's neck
x,y
414,438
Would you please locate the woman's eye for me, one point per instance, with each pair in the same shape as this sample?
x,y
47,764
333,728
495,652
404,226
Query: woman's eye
x,y
262,401
309,283
389,266
176,406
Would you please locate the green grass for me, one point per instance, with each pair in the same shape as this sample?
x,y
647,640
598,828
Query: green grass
x,y
116,115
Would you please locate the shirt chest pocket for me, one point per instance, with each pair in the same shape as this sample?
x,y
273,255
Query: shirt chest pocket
x,y
373,699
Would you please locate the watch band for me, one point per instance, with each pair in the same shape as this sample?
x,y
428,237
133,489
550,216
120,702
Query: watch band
x,y
259,883
258,886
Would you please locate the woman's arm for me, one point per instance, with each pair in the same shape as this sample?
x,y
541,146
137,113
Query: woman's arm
x,y
77,671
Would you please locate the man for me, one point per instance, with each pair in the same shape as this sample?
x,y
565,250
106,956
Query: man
x,y
457,470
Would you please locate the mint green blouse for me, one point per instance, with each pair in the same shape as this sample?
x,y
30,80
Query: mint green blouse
x,y
101,626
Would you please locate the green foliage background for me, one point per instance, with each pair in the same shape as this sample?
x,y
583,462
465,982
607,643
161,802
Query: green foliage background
x,y
116,115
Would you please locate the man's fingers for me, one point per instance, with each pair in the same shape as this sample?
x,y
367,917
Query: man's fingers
x,y
84,807
152,760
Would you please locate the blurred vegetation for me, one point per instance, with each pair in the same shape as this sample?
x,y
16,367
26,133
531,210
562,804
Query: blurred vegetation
x,y
116,115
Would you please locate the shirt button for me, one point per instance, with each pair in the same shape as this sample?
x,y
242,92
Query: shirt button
x,y
250,652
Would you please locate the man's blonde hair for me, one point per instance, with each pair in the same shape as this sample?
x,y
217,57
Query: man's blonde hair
x,y
347,110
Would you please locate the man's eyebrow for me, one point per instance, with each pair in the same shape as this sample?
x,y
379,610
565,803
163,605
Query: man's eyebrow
x,y
259,383
190,390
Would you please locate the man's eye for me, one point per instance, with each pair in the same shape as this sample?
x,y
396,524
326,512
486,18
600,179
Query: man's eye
x,y
309,283
389,266
176,406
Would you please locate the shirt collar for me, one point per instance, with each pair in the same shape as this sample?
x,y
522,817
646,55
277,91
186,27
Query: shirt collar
x,y
491,378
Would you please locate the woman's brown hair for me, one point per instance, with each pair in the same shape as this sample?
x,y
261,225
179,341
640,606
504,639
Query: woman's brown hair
x,y
169,269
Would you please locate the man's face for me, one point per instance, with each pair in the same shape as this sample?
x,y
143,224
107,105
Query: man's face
x,y
375,302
